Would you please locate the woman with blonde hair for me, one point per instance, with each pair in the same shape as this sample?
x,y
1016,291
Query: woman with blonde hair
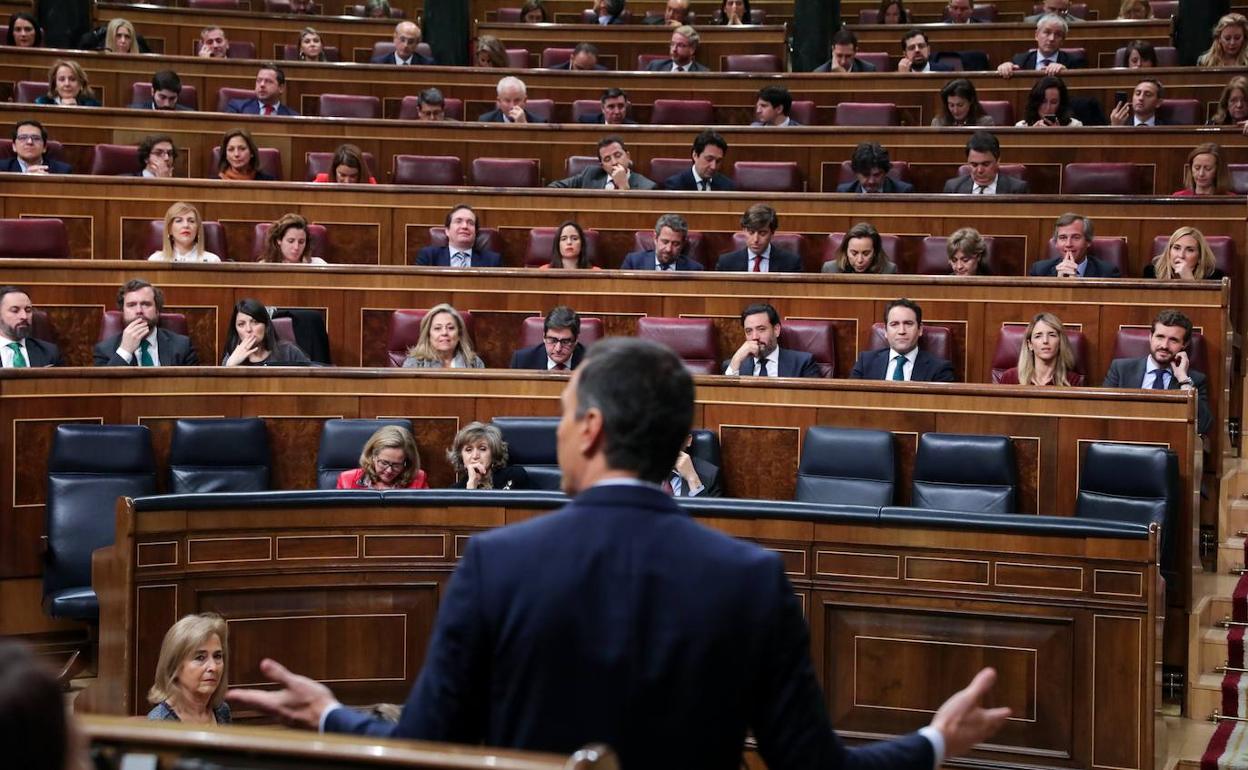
x,y
191,682
490,52
1135,9
120,37
1187,256
1227,48
1046,357
389,460
1205,172
68,85
310,46
1232,104
479,456
183,238
288,243
443,342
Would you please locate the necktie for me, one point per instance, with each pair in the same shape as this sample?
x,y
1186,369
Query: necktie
x,y
145,356
1159,379
19,360
678,68
762,367
459,259
561,367
899,368
702,185
979,189
268,109
665,265
758,264
1045,62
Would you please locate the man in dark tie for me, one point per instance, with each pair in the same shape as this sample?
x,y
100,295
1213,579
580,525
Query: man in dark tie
x,y
615,106
1047,57
761,355
671,239
983,155
1167,367
30,151
142,342
683,49
844,54
871,164
511,94
902,360
760,223
19,350
406,38
270,88
559,350
460,250
693,476
1072,236
709,149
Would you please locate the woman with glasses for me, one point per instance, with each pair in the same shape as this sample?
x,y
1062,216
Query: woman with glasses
x,y
389,460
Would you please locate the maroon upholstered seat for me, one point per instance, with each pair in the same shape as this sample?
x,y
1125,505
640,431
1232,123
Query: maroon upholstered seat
x,y
643,240
1112,250
270,162
238,49
1001,112
358,10
936,340
518,58
1016,170
405,332
934,259
900,171
814,337
752,62
220,5
1010,342
804,112
575,164
110,324
213,237
350,106
1223,248
488,238
757,16
409,108
41,327
790,241
1076,9
868,16
506,172
285,6
832,244
662,168
542,108
53,149
1164,9
114,159
533,329
141,93
682,112
284,329
1135,342
767,176
225,95
552,57
27,91
508,16
589,17
584,108
867,114
1239,177
985,12
319,163
1167,56
33,239
1181,112
542,243
882,61
318,238
290,51
1102,178
693,339
691,18
644,59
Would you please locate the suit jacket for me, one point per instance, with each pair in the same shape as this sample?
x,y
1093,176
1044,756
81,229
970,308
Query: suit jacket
x,y
496,116
793,363
388,58
890,186
645,260
684,181
873,365
601,120
173,349
782,261
1006,185
858,66
1035,17
54,166
551,634
666,65
1129,373
177,107
567,66
252,107
938,66
708,473
595,178
40,353
1027,60
440,256
535,358
1097,268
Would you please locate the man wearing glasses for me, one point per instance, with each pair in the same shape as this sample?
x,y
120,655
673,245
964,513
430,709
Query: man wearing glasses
x,y
558,351
30,141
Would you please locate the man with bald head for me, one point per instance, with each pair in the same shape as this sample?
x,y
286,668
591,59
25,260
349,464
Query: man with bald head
x,y
674,14
406,38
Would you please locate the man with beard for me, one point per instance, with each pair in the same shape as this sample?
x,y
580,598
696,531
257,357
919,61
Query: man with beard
x,y
761,355
19,350
141,341
1167,367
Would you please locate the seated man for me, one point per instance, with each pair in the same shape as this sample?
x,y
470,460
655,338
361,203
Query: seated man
x,y
760,255
609,11
19,350
960,12
675,13
983,155
761,355
166,88
870,163
614,172
709,149
916,54
30,143
844,55
406,38
1048,56
511,96
1142,108
1167,367
461,249
615,107
213,44
142,342
671,239
584,59
683,49
270,88
1058,8
559,350
431,106
773,107
693,476
1073,235
902,359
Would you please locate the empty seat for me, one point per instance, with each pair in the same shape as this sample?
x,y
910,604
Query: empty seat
x,y
219,455
1135,342
141,93
226,94
662,168
318,240
213,237
506,172
534,328
956,472
643,240
934,259
350,106
409,108
518,58
270,162
1222,246
846,466
553,57
27,91
531,444
358,10
832,244
752,62
575,164
446,170
1110,249
644,59
1103,179
882,61
682,112
342,441
804,112
868,16
508,16
114,159
1135,483
319,163
238,49
1010,343
1167,56
1239,178
814,337
405,332
1181,112
33,239
867,114
542,108
111,325
542,243
936,341
767,176
89,467
586,108
290,51
1164,9
693,339
1001,112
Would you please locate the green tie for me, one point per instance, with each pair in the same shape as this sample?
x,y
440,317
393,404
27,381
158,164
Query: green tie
x,y
145,358
899,371
19,360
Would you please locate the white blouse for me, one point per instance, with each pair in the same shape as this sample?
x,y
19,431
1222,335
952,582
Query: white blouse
x,y
194,255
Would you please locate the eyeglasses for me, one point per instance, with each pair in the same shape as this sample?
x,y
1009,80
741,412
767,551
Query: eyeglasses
x,y
29,138
161,152
386,465
556,341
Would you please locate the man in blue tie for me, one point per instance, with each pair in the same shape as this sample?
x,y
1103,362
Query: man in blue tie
x,y
1047,57
902,360
461,244
19,350
142,341
1166,367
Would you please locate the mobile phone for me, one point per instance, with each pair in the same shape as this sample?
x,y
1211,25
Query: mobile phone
x,y
1049,119
1120,97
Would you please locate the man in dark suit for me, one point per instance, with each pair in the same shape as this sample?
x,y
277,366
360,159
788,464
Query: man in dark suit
x,y
30,142
844,56
609,11
1072,234
559,349
511,93
671,241
166,88
1142,108
902,360
1048,56
1167,367
709,149
270,88
1058,8
461,249
960,12
675,13
772,108
916,54
761,355
614,172
19,350
760,223
615,107
621,620
142,342
683,49
983,155
406,38
693,476
870,164
584,58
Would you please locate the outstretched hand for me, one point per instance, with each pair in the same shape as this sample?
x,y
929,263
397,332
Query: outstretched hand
x,y
300,702
963,721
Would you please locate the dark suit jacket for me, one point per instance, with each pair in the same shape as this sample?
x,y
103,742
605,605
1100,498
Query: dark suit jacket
x,y
890,186
535,357
1097,268
174,350
1027,60
388,58
567,66
1129,373
440,256
594,178
684,181
552,634
708,473
939,66
252,107
177,107
54,166
645,260
601,120
496,116
40,353
665,65
1006,185
782,261
873,365
858,66
793,363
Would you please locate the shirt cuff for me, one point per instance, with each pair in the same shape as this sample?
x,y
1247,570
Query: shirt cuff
x,y
732,372
938,744
694,492
125,355
337,705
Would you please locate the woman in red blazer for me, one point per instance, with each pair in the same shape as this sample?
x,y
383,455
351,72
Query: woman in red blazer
x,y
389,461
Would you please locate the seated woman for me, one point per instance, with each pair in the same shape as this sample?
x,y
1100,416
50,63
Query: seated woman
x,y
490,52
861,251
1135,9
310,46
1048,104
182,238
287,242
1232,104
960,106
1228,48
533,12
389,460
968,253
1187,257
191,672
120,37
443,342
24,31
569,250
157,157
734,13
1141,54
252,341
1206,172
1046,357
348,166
479,457
240,158
893,12
68,86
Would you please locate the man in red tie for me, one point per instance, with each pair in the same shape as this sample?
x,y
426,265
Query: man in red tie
x,y
760,255
270,88
559,350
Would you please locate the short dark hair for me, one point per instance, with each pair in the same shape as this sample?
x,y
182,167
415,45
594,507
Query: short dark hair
x,y
9,289
585,48
612,139
1144,48
777,96
709,137
166,80
645,396
431,96
984,141
562,317
761,307
43,132
462,207
136,284
149,142
1161,90
615,7
612,93
33,723
906,303
869,155
1171,317
914,32
268,65
845,36
758,216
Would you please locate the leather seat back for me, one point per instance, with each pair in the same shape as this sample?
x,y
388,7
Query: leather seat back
x,y
846,465
219,455
957,472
